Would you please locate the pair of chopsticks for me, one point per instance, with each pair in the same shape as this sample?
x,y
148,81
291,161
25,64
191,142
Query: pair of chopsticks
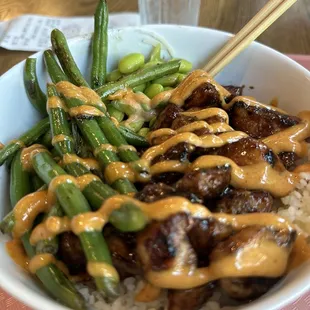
x,y
253,29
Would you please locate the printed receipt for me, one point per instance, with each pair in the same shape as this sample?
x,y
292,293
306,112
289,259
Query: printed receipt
x,y
32,32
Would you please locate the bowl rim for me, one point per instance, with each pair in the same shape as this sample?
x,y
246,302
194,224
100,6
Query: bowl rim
x,y
30,297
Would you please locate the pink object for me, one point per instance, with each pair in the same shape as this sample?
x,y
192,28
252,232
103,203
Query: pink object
x,y
9,303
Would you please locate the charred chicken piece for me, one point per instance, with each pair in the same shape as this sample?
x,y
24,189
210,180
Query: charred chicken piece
x,y
259,122
192,299
204,96
168,178
179,152
235,91
167,116
71,253
289,160
247,151
204,235
123,251
183,120
239,201
154,192
251,287
160,242
205,183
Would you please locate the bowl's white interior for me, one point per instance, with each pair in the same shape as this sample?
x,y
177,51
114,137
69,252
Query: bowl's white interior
x,y
271,74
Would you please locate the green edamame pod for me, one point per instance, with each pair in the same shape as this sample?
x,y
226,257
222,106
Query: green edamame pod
x,y
131,63
117,114
144,131
185,66
153,90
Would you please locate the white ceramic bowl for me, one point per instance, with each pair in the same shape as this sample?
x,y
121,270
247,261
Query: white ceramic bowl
x,y
271,74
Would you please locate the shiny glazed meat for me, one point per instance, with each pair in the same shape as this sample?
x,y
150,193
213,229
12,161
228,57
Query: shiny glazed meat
x,y
247,288
183,120
259,122
192,299
154,192
239,201
71,253
204,96
289,160
246,151
167,116
235,91
159,243
205,183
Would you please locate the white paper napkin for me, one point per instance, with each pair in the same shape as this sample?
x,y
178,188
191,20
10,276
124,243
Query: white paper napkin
x,y
32,32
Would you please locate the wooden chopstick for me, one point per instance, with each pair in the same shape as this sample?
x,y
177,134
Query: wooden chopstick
x,y
256,26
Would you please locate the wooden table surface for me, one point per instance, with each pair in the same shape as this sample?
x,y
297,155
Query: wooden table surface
x,y
290,34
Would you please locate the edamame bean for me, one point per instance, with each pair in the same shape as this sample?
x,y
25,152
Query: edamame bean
x,y
185,66
117,114
168,80
139,88
153,90
168,88
113,76
131,63
144,131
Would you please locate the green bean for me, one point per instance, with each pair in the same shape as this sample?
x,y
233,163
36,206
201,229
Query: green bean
x,y
55,282
155,54
153,90
66,60
100,45
132,138
34,92
152,121
134,125
113,76
27,138
74,203
144,131
53,68
36,182
50,245
19,180
168,80
139,88
117,114
128,218
131,63
46,139
138,78
51,277
185,66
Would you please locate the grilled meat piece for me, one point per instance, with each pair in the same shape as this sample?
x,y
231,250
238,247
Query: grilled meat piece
x,y
159,243
179,152
204,235
215,119
167,116
289,160
168,178
239,201
235,91
154,192
206,95
247,289
205,183
123,251
183,120
160,139
71,253
259,122
246,151
192,299
251,287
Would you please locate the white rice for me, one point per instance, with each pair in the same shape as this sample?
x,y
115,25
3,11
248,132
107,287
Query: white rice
x,y
295,207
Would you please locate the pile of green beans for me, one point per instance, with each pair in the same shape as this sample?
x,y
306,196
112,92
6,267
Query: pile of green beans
x,y
118,126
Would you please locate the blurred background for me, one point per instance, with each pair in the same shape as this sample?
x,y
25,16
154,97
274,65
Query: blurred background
x,y
290,34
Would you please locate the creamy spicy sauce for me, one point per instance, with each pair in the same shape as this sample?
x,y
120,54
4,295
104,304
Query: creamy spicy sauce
x,y
26,154
17,252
